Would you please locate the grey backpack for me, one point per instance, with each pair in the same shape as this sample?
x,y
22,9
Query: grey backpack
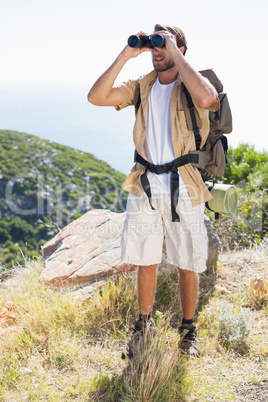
x,y
213,156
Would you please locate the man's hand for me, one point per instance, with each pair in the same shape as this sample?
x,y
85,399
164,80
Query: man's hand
x,y
130,52
170,43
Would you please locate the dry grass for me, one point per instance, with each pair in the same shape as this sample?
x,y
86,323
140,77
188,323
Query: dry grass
x,y
59,349
152,375
257,294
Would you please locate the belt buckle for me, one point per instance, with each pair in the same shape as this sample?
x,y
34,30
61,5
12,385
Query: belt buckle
x,y
158,169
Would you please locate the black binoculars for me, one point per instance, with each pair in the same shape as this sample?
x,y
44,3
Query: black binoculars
x,y
151,41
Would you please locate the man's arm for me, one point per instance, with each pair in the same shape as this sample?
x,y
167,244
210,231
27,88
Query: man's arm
x,y
102,92
201,90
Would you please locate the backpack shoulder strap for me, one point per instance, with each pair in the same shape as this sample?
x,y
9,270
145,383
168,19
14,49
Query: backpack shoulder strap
x,y
137,98
191,115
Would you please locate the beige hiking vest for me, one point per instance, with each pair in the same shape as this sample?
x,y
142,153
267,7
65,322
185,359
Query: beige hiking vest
x,y
183,140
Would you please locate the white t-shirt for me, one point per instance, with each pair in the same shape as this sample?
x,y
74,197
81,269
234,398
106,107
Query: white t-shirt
x,y
158,145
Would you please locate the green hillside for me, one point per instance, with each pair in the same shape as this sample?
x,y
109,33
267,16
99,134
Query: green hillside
x,y
44,186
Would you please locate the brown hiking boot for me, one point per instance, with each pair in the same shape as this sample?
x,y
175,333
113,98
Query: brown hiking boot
x,y
139,329
189,340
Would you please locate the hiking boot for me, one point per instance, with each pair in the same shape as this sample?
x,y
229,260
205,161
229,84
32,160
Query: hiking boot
x,y
189,340
139,329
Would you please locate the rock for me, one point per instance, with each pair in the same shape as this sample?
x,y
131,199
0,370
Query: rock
x,y
88,250
213,244
222,289
9,315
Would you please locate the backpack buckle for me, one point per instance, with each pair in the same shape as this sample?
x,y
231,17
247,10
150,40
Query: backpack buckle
x,y
160,169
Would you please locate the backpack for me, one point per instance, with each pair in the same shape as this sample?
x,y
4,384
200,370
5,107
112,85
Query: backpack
x,y
213,155
212,158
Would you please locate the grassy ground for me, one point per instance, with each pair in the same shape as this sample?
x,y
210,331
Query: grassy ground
x,y
56,348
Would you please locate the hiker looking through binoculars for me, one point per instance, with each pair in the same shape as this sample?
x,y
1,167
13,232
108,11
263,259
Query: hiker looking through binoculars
x,y
172,198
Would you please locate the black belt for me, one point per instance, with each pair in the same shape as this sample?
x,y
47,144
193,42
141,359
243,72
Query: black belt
x,y
174,177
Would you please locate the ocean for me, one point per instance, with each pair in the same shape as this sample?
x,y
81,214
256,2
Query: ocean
x,y
66,117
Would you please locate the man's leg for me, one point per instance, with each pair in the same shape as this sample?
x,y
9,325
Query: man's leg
x,y
189,285
146,288
146,291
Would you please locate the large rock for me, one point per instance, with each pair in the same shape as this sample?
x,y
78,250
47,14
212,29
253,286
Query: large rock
x,y
88,249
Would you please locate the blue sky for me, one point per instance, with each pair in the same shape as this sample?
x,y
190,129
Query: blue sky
x,y
61,44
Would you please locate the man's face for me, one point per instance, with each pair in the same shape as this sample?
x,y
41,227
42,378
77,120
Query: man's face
x,y
161,61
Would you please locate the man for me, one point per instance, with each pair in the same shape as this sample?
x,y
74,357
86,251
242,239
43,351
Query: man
x,y
155,211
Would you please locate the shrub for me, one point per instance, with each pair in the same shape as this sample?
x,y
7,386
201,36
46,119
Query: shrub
x,y
234,327
249,224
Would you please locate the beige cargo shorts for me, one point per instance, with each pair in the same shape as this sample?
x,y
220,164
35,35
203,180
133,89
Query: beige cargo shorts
x,y
145,230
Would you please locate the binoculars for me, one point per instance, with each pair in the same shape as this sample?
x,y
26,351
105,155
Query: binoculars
x,y
151,41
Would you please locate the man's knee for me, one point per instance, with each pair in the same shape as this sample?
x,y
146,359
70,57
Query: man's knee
x,y
147,269
187,274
